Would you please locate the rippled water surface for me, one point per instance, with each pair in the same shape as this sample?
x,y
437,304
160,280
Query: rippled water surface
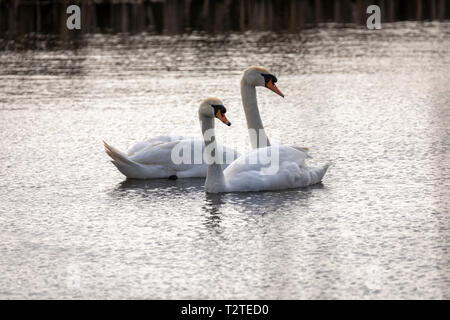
x,y
376,104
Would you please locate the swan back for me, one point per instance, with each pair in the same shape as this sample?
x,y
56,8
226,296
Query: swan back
x,y
270,168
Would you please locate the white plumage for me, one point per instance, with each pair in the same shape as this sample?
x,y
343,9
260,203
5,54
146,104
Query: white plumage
x,y
152,159
270,168
291,172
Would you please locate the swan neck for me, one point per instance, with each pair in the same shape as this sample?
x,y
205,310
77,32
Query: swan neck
x,y
215,180
258,137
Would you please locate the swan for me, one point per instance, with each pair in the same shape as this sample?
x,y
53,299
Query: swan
x,y
248,172
256,77
151,159
260,77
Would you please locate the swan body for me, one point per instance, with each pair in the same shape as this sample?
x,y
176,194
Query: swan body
x,y
248,172
292,172
152,159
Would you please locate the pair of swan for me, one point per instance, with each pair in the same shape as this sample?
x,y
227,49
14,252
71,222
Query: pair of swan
x,y
153,158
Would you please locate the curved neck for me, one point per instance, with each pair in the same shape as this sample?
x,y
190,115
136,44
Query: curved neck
x,y
215,180
258,137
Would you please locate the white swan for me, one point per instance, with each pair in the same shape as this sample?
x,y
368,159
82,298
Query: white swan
x,y
256,77
248,172
151,159
252,78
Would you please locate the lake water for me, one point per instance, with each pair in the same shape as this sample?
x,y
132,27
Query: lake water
x,y
375,103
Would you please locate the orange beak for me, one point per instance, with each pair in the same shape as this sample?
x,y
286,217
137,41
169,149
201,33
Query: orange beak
x,y
222,118
274,88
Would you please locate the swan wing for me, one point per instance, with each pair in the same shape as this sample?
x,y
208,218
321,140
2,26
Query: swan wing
x,y
191,151
302,149
153,160
154,141
164,156
154,154
285,170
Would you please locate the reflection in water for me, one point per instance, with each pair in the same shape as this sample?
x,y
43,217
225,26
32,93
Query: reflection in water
x,y
157,189
260,203
374,103
253,203
211,206
179,186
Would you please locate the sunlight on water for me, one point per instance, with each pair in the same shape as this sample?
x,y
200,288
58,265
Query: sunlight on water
x,y
376,104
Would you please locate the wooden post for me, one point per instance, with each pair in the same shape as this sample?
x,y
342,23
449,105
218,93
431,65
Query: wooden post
x,y
12,17
269,15
248,14
138,16
442,15
151,18
38,17
419,10
293,15
337,11
276,12
251,15
362,12
227,11
92,17
318,17
134,18
206,15
433,10
187,15
302,13
242,15
124,18
383,10
258,16
390,15
55,18
218,17
63,31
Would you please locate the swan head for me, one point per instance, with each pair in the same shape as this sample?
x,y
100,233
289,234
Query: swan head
x,y
213,108
261,77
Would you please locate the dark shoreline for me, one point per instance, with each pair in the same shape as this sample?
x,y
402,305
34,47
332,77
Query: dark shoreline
x,y
21,17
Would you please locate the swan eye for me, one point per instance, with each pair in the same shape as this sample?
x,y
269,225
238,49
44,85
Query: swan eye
x,y
270,83
268,77
219,107
219,113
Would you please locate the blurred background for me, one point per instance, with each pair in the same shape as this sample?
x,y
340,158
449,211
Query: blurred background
x,y
18,17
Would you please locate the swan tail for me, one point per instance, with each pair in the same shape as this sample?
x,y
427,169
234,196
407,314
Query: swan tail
x,y
124,164
317,173
303,149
